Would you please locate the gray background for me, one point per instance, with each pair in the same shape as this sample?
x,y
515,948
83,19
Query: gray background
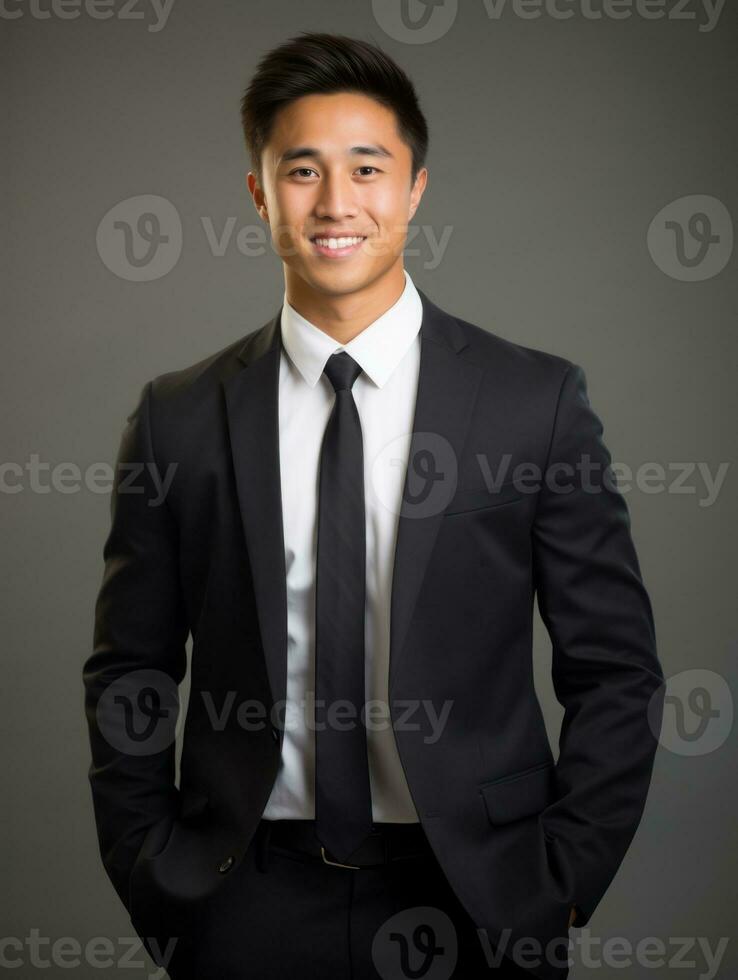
x,y
553,146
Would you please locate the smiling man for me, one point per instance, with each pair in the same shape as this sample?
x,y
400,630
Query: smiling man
x,y
338,203
353,541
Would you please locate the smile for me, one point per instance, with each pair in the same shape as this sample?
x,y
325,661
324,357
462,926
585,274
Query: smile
x,y
337,247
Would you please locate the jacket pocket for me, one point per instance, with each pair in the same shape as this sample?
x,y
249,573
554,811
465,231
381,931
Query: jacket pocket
x,y
519,794
157,840
467,499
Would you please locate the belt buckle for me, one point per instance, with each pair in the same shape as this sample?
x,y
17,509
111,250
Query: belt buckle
x,y
337,864
360,867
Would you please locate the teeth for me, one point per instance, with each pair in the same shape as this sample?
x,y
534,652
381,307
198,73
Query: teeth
x,y
337,242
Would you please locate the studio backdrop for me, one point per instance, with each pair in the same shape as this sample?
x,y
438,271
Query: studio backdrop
x,y
581,200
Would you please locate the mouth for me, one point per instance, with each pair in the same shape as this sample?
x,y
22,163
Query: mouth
x,y
337,248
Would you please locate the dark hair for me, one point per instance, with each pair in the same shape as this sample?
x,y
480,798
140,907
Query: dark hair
x,y
324,63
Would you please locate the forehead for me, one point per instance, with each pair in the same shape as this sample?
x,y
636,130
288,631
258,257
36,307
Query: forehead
x,y
334,123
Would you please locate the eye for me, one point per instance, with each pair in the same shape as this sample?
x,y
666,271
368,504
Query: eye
x,y
309,170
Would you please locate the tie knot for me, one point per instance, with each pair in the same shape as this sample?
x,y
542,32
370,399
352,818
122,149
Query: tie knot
x,y
341,370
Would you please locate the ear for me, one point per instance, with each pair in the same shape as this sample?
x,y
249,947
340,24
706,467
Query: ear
x,y
417,192
258,196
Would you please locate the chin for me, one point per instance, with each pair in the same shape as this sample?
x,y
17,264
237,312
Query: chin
x,y
339,280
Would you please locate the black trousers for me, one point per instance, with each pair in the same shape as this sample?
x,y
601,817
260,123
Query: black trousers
x,y
283,915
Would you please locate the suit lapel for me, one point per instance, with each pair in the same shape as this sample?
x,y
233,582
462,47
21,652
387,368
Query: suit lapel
x,y
447,389
252,405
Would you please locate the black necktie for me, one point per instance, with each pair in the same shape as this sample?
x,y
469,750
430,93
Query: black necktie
x,y
343,808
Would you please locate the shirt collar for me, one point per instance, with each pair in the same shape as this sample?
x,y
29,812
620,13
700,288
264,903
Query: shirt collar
x,y
378,349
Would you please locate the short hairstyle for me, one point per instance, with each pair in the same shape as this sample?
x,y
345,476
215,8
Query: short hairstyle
x,y
313,63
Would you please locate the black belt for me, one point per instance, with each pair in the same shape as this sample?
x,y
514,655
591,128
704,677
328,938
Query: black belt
x,y
388,842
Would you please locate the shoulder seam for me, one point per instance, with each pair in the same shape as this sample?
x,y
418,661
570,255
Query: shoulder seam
x,y
571,366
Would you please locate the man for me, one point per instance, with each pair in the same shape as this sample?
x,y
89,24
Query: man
x,y
351,510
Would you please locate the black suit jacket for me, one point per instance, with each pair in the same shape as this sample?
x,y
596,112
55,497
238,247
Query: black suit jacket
x,y
521,837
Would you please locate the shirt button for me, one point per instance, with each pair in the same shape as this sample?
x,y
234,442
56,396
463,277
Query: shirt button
x,y
226,865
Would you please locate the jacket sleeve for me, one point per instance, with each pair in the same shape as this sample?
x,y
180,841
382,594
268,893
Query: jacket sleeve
x,y
605,669
138,657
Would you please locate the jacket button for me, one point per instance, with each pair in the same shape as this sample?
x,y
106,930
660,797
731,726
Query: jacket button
x,y
226,865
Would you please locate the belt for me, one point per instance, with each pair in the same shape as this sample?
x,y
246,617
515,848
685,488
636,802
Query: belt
x,y
388,842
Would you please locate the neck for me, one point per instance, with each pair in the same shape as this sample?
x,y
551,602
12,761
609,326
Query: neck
x,y
344,315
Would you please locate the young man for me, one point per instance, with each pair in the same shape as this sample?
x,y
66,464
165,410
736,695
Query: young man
x,y
350,510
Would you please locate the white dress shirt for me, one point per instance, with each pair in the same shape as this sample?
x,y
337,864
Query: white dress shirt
x,y
388,351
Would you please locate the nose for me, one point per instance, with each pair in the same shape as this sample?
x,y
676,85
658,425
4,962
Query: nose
x,y
337,198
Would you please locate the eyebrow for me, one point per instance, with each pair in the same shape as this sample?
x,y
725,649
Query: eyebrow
x,y
297,152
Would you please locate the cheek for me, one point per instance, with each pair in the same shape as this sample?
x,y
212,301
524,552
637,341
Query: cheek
x,y
390,208
289,211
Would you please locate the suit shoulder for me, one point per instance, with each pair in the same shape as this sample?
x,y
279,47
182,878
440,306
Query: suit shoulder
x,y
199,378
509,359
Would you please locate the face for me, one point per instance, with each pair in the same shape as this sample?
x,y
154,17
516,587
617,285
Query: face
x,y
335,168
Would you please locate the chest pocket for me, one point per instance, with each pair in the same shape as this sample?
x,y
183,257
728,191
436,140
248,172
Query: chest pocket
x,y
470,499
